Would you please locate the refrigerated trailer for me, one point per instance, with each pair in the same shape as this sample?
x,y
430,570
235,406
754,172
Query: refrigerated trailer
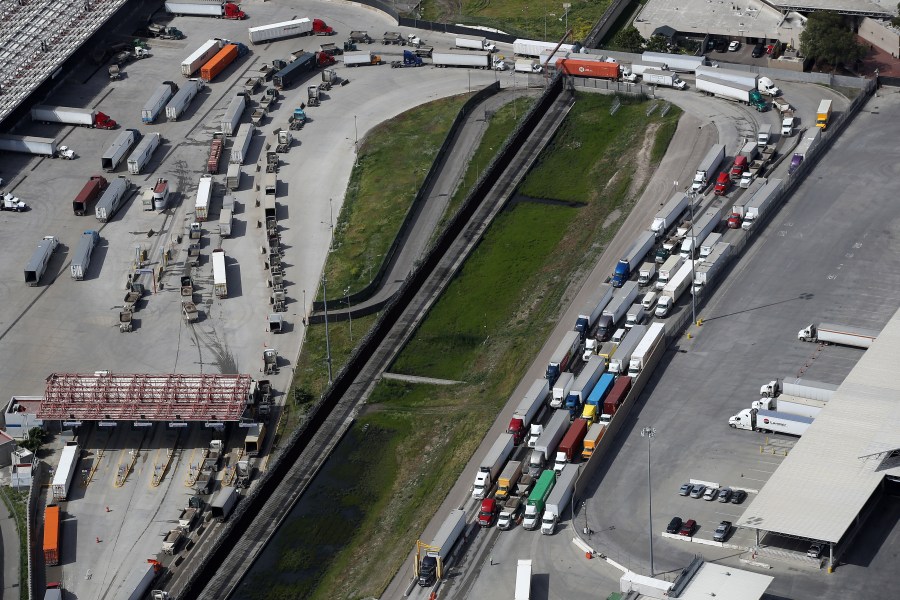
x,y
200,57
39,259
141,155
286,29
28,144
118,149
241,144
183,99
220,277
81,258
111,200
65,471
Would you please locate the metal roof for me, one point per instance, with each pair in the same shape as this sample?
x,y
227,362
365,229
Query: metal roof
x,y
721,581
832,471
872,8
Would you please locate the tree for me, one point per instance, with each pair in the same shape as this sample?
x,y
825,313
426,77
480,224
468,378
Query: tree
x,y
34,439
827,39
658,43
629,39
896,20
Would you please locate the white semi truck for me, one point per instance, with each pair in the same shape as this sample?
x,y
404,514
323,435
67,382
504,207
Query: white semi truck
x,y
770,421
844,335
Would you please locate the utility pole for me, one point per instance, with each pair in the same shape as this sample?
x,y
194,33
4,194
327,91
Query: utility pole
x,y
649,433
349,312
693,274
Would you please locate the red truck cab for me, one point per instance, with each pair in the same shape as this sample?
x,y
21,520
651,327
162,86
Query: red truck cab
x,y
488,512
518,430
734,221
739,166
722,183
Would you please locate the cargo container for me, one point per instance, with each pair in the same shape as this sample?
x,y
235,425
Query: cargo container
x,y
601,389
157,101
615,398
81,258
286,29
681,63
294,71
546,444
491,464
527,409
523,580
28,144
241,145
618,364
592,440
94,186
707,270
225,218
647,348
592,310
534,506
639,68
72,116
201,203
707,168
112,199
233,177
232,119
584,384
205,8
845,335
669,214
37,264
478,60
220,278
577,67
524,47
65,471
632,258
219,62
770,421
183,99
223,503
142,154
51,535
431,565
570,446
117,150
563,356
559,499
761,202
200,57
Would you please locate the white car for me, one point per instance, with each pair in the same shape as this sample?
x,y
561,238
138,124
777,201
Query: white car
x,y
734,46
711,494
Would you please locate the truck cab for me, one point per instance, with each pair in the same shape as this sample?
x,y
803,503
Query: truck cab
x,y
663,307
590,349
536,430
482,485
487,513
739,166
589,414
535,462
428,571
722,184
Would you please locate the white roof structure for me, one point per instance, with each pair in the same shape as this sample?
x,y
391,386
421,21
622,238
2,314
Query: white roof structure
x,y
752,18
868,8
721,581
38,36
833,470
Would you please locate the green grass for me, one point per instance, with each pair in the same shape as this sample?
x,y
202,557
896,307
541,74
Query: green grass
x,y
394,158
534,20
17,504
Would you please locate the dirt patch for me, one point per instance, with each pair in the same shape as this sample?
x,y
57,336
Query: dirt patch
x,y
641,166
612,218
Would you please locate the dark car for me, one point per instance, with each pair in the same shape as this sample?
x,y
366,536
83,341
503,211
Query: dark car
x,y
738,496
724,495
688,528
674,525
758,50
710,44
721,45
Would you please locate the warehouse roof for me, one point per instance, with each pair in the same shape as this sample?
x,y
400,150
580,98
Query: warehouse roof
x,y
752,18
847,7
721,581
837,465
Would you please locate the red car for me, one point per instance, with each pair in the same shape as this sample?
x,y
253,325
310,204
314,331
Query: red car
x,y
722,183
734,221
688,528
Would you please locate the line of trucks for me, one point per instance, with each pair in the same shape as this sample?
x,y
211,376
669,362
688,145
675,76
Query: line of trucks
x,y
788,407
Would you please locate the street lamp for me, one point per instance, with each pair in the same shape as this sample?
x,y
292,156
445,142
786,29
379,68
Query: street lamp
x,y
355,143
349,312
566,7
693,274
649,433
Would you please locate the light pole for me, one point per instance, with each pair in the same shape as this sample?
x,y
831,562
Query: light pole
x,y
349,312
649,433
693,274
355,143
325,306
566,7
305,314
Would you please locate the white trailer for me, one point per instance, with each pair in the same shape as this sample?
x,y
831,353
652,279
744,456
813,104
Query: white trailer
x,y
845,335
681,63
200,57
111,200
618,362
725,89
639,68
524,47
770,421
141,155
669,214
220,277
760,202
233,177
233,114
117,150
646,348
491,464
182,99
673,290
39,259
241,144
704,226
155,104
62,477
743,77
523,580
28,144
527,65
277,31
223,502
197,8
81,258
559,498
792,405
139,581
225,218
545,445
358,57
706,270
803,388
478,60
64,115
706,170
470,44
663,78
201,203
621,301
431,566
531,403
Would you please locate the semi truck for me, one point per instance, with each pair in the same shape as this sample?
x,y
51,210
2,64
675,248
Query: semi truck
x,y
430,565
39,259
200,57
233,177
668,270
646,348
201,203
704,226
534,506
528,409
65,471
478,60
546,444
583,385
592,440
117,150
219,62
199,8
241,145
81,258
633,257
220,276
669,214
72,116
673,290
161,95
708,167
760,203
563,356
523,579
792,405
142,154
285,29
844,335
561,388
559,498
94,186
223,502
803,388
747,78
770,421
615,397
111,200
663,78
294,71
732,91
570,446
592,310
681,63
181,100
490,466
480,45
618,364
581,67
709,267
28,144
616,309
51,535
823,114
509,477
524,47
232,117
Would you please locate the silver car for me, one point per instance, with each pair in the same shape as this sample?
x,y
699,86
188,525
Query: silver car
x,y
698,490
722,531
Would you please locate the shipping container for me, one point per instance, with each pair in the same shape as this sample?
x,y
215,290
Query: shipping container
x,y
182,99
62,477
577,67
37,264
117,150
219,62
220,278
479,60
616,396
200,57
241,144
112,199
293,72
94,186
51,535
141,155
232,119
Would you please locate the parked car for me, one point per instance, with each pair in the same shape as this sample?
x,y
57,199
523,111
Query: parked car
x,y
698,490
815,551
710,44
710,494
722,531
685,489
758,50
734,46
721,45
724,495
738,496
674,525
688,528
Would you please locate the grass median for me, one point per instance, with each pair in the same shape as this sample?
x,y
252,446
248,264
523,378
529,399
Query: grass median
x,y
360,519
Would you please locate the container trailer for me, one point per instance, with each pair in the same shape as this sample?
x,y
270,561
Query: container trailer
x,y
233,177
844,335
707,168
559,499
523,580
618,306
647,348
747,78
546,444
220,276
294,71
91,190
760,202
111,200
232,118
528,409
704,225
584,384
616,396
430,566
118,150
561,388
804,388
241,145
51,535
72,116
732,91
620,360
592,310
792,405
579,67
223,502
200,57
524,47
201,203
81,258
570,446
681,63
478,60
361,57
201,8
28,144
142,154
534,506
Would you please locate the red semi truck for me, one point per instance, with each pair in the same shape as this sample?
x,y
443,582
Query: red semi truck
x,y
570,446
90,192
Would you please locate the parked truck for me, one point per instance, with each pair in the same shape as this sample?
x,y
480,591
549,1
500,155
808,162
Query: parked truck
x,y
732,91
534,506
478,60
480,44
583,385
673,290
112,199
668,270
760,203
561,389
218,63
39,259
705,225
200,57
823,114
430,565
617,308
708,167
91,190
528,409
592,440
619,362
792,405
663,78
547,443
286,29
232,118
669,214
28,144
241,145
565,353
747,78
181,100
361,57
559,498
509,477
51,535
769,421
65,471
709,267
491,465
72,116
142,154
201,203
632,258
220,275
592,310
81,258
681,63
161,95
570,446
802,388
117,150
199,8
294,71
652,342
844,335
616,396
223,502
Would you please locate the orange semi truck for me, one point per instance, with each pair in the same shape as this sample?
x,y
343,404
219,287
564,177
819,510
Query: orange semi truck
x,y
51,535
